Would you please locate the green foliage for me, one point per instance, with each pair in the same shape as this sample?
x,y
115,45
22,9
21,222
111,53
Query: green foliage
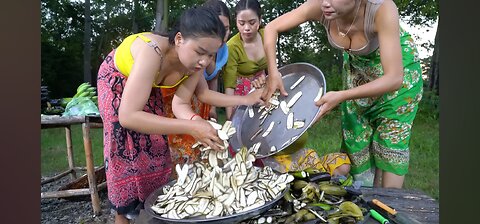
x,y
429,105
62,27
418,11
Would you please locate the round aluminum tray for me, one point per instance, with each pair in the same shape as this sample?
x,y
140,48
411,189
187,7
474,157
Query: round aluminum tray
x,y
235,218
280,136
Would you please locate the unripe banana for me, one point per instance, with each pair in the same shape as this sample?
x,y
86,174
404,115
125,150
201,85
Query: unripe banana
x,y
81,90
84,94
82,85
91,89
91,94
333,189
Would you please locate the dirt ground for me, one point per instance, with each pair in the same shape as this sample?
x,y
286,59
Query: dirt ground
x,y
72,210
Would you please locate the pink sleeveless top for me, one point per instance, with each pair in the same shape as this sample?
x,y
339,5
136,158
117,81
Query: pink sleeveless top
x,y
371,37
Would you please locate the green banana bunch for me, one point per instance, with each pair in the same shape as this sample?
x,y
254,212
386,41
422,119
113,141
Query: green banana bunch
x,y
86,90
82,86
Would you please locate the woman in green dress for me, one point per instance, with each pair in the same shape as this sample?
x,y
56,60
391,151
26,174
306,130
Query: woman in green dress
x,y
382,82
246,58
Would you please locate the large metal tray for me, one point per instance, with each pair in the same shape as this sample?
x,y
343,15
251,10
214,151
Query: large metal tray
x,y
304,108
235,218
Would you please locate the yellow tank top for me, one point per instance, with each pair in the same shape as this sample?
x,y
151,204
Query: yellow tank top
x,y
123,58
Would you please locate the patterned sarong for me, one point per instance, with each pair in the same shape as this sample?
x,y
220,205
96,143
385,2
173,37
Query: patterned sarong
x,y
376,131
136,164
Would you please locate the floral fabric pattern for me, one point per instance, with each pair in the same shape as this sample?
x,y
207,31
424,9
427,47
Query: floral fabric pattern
x,y
244,83
376,130
136,164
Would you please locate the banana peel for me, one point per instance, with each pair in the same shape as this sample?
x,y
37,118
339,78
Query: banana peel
x,y
332,189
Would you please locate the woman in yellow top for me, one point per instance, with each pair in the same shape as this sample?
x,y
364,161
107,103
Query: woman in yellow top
x,y
136,155
246,58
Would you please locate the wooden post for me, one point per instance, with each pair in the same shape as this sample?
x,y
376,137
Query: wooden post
x,y
92,183
71,165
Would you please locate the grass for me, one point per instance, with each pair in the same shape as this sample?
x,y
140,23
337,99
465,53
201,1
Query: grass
x,y
54,149
325,137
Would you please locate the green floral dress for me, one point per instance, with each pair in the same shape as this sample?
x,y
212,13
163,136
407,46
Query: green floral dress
x,y
376,131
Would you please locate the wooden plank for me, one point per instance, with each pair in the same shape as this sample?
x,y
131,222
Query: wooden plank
x,y
71,193
55,121
51,120
65,193
414,203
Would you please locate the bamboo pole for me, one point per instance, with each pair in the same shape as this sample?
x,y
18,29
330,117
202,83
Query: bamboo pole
x,y
92,183
71,165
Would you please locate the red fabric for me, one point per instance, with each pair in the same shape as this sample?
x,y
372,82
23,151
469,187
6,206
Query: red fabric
x,y
244,84
181,144
136,163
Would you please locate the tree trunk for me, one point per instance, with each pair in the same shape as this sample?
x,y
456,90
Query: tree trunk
x,y
434,67
161,16
87,73
134,17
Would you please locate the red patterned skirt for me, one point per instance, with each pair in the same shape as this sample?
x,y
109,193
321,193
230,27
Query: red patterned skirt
x,y
136,164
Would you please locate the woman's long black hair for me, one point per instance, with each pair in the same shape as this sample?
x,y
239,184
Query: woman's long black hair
x,y
253,5
197,22
219,7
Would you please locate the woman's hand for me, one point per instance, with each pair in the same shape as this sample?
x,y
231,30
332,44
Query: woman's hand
x,y
329,101
203,132
259,82
254,97
274,82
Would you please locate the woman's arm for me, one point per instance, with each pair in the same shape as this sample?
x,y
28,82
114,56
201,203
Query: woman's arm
x,y
181,103
213,85
135,96
310,10
215,98
137,91
182,100
388,28
229,110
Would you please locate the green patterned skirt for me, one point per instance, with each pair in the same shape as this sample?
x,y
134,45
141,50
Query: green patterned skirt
x,y
376,131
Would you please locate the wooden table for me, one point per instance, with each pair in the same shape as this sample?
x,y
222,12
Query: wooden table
x,y
87,122
414,203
